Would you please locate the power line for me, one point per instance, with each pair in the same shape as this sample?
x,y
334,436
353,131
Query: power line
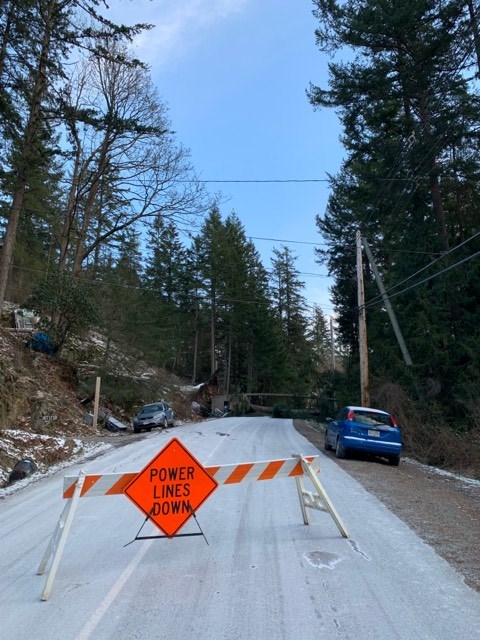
x,y
325,244
314,275
435,275
266,181
444,255
304,273
315,244
290,180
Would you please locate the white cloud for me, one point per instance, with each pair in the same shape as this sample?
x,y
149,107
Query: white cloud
x,y
179,24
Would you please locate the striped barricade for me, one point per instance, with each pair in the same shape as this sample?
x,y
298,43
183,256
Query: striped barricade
x,y
109,484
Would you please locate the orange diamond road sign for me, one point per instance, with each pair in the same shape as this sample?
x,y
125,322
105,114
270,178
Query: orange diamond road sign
x,y
171,487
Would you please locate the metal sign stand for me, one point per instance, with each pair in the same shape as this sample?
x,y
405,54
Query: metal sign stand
x,y
176,535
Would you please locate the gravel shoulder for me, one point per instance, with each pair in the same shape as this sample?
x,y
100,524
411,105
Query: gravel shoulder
x,y
442,509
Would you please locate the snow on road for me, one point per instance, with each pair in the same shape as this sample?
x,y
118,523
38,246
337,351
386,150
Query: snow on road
x,y
263,575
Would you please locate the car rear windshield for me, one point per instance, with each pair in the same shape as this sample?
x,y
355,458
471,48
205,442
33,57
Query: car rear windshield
x,y
152,408
371,418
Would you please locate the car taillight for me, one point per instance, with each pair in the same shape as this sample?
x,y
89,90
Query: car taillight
x,y
351,415
394,422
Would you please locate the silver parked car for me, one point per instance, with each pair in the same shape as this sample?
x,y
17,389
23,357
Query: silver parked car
x,y
157,414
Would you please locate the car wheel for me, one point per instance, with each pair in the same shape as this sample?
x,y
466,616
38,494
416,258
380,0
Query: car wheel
x,y
340,450
149,428
328,447
165,423
135,430
394,461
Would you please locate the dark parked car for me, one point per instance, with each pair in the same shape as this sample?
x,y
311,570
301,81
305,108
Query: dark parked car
x,y
364,429
22,469
157,414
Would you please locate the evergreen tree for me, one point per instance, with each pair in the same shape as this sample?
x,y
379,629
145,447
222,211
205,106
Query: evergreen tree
x,y
291,311
196,305
245,336
171,297
319,337
410,178
253,353
210,248
267,345
165,266
119,294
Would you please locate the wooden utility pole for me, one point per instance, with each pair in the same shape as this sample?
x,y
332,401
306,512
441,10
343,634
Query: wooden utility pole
x,y
96,402
362,328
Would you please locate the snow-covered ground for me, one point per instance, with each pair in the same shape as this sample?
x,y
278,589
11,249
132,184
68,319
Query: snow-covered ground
x,y
22,444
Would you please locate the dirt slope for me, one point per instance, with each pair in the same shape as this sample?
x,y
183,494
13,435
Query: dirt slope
x,y
44,401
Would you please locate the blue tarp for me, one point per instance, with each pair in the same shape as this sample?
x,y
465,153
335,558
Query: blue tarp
x,y
44,343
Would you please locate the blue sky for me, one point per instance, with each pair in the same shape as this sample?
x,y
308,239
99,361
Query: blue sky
x,y
234,74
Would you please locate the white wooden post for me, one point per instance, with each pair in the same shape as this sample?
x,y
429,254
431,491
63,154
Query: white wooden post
x,y
301,492
96,402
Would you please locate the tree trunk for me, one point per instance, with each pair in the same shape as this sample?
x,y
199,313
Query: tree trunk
x,y
212,334
89,208
195,346
438,207
70,213
434,185
476,37
79,172
250,369
26,154
6,38
228,363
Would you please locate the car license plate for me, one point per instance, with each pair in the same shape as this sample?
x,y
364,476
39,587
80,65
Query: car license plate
x,y
374,433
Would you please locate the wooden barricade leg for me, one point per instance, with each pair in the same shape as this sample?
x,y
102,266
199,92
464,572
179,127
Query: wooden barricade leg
x,y
319,500
54,539
59,538
301,493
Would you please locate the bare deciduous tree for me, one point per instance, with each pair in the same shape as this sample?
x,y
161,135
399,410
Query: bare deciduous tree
x,y
48,32
126,166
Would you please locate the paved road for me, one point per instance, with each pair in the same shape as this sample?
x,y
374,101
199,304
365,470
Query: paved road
x,y
264,575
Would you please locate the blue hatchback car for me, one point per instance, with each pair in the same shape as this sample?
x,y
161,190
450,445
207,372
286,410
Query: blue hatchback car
x,y
365,430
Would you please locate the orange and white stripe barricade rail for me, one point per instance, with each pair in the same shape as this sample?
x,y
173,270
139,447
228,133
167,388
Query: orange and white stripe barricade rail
x,y
110,484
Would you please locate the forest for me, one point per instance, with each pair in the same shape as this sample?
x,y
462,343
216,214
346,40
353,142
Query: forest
x,y
403,79
105,223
